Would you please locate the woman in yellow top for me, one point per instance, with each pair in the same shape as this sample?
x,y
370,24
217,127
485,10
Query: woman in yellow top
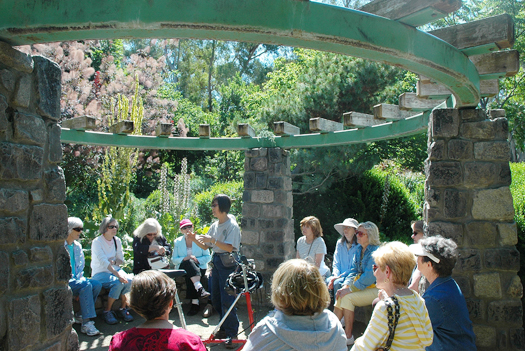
x,y
393,268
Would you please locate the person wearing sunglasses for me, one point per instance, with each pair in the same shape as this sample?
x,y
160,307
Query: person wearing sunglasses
x,y
148,241
194,260
393,266
447,308
359,287
86,290
417,282
106,258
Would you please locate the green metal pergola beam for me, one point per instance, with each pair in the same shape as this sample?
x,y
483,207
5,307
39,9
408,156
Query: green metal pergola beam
x,y
288,22
390,130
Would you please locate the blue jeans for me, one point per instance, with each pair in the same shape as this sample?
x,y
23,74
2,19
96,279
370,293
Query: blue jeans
x,y
338,284
113,284
87,290
221,300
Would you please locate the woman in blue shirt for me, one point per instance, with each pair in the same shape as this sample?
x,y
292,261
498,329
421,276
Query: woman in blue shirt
x,y
359,288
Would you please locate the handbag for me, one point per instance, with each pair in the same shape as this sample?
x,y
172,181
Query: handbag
x,y
158,262
392,321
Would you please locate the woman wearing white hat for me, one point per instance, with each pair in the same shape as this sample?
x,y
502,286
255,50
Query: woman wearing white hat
x,y
344,252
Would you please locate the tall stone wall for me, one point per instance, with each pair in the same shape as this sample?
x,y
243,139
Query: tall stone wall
x,y
35,301
267,224
467,198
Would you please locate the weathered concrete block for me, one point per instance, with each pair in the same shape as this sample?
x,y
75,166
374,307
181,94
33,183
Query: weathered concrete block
x,y
275,235
273,262
48,222
246,196
482,233
4,123
493,204
249,180
4,273
266,223
263,151
275,155
23,94
55,347
508,234
15,59
7,80
515,288
449,230
471,114
460,149
444,173
262,196
39,254
56,185
275,182
250,237
432,195
464,284
455,204
501,340
24,321
273,211
485,174
487,285
261,180
20,161
485,335
492,151
248,223
35,277
505,311
3,320
287,184
62,265
485,130
13,230
58,310
49,85
502,258
20,258
250,210
72,341
444,123
436,150
36,195
476,309
259,164
501,129
251,153
517,338
468,260
13,200
55,147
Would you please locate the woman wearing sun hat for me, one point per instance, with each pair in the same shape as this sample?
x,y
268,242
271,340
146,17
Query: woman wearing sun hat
x,y
194,260
344,252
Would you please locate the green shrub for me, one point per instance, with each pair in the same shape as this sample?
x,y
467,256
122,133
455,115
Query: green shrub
x,y
203,200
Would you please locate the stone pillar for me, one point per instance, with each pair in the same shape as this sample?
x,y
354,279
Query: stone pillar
x,y
267,224
35,301
467,199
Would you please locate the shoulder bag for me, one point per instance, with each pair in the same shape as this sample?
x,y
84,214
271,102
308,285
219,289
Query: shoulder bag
x,y
391,304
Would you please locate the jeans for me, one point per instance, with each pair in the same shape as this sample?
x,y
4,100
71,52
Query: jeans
x,y
112,283
338,284
221,300
87,290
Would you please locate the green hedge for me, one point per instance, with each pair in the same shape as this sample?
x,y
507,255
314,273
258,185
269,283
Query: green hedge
x,y
202,201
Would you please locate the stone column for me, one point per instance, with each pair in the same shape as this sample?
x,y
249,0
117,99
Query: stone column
x,y
267,224
35,301
467,199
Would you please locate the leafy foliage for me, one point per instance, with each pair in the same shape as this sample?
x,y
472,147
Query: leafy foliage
x,y
203,200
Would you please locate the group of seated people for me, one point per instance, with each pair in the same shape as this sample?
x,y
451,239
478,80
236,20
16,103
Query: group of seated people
x,y
415,282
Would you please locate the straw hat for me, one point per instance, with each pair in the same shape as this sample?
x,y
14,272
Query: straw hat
x,y
349,222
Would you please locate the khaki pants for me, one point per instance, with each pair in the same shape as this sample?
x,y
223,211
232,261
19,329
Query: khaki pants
x,y
358,298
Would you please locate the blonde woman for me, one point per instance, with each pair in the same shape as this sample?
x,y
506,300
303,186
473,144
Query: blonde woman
x,y
300,320
393,266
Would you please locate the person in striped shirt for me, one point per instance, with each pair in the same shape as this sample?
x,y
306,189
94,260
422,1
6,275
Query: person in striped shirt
x,y
393,267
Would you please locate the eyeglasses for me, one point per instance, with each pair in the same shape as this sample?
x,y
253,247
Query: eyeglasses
x,y
112,226
151,234
415,233
360,233
79,229
374,268
186,227
214,205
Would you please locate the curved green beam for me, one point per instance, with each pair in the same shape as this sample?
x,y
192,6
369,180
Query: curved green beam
x,y
287,22
390,130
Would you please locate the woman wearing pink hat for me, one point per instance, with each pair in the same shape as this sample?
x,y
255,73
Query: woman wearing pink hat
x,y
194,260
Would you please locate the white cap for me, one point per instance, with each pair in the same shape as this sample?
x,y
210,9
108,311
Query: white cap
x,y
418,250
349,222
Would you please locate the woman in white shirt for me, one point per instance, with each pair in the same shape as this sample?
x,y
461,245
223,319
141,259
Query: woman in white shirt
x,y
311,246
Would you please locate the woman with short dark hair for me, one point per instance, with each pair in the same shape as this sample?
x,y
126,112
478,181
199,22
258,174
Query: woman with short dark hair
x,y
152,295
447,308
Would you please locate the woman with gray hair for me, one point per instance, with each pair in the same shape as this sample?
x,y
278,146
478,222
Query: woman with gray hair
x,y
106,258
148,241
436,258
359,287
87,290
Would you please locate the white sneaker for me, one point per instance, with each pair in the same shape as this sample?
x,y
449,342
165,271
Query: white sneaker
x,y
350,341
89,329
77,318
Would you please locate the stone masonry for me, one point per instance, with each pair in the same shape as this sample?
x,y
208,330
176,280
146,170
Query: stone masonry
x,y
267,224
467,199
35,300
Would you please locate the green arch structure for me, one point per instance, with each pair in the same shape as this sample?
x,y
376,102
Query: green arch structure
x,y
287,22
